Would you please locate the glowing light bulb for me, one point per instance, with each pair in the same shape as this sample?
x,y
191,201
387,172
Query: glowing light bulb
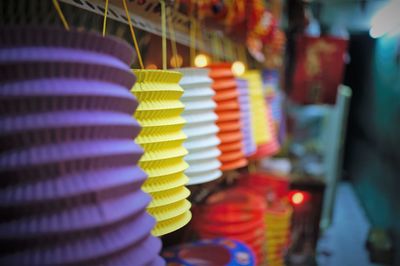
x,y
176,61
151,66
201,60
297,198
238,68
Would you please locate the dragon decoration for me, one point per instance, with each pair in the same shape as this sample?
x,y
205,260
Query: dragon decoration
x,y
253,21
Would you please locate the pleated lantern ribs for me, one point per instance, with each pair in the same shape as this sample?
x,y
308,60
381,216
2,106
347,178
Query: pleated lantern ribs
x,y
200,128
70,189
159,114
229,117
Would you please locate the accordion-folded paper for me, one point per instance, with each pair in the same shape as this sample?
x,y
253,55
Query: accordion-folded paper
x,y
200,126
229,117
70,191
159,114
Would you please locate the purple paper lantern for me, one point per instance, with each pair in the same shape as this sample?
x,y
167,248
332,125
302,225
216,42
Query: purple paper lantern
x,y
70,184
249,145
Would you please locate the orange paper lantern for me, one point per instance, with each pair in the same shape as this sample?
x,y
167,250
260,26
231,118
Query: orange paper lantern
x,y
229,117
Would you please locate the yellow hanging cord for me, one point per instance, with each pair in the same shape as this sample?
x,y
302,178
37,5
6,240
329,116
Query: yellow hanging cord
x,y
193,25
164,34
201,42
216,47
128,17
172,33
242,54
60,14
229,50
105,18
213,47
220,47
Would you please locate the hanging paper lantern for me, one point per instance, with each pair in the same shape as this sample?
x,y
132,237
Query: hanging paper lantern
x,y
236,214
249,146
70,190
275,98
261,132
275,102
229,117
162,138
218,251
270,186
278,222
272,146
200,128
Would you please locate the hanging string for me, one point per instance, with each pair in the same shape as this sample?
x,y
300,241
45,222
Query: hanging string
x,y
220,48
60,14
200,33
172,33
216,47
229,50
164,34
192,39
242,54
105,18
201,42
128,17
213,47
193,26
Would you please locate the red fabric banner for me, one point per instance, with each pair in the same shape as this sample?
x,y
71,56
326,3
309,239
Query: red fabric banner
x,y
319,68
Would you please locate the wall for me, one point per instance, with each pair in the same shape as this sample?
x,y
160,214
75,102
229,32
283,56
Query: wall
x,y
372,158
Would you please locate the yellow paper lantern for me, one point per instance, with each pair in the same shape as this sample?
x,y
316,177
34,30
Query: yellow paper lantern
x,y
278,223
261,133
159,113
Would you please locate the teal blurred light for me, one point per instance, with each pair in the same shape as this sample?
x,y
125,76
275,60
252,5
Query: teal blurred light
x,y
386,20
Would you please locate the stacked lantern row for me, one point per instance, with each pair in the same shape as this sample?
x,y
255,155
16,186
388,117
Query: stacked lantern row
x,y
159,114
263,127
70,187
229,117
200,128
71,182
237,214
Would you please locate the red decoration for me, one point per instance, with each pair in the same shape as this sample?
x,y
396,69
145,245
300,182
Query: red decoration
x,y
237,214
319,69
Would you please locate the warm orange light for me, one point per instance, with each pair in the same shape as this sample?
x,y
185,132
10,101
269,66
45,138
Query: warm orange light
x,y
176,61
151,66
297,198
238,68
201,60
